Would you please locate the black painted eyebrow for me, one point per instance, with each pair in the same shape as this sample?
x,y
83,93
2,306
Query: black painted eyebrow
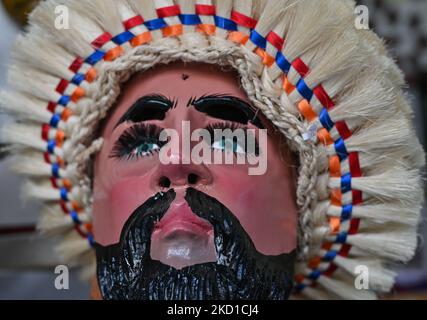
x,y
227,107
149,107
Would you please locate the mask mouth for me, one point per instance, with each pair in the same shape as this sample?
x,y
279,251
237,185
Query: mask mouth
x,y
236,270
181,238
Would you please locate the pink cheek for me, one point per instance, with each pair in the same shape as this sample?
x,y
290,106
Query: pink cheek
x,y
120,202
265,204
243,196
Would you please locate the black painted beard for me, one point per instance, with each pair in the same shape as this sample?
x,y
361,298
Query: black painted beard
x,y
126,270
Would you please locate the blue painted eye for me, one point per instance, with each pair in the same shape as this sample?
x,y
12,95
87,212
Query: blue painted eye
x,y
138,141
145,149
227,144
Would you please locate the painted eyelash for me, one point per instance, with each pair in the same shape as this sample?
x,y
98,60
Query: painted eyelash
x,y
142,133
232,126
225,125
134,137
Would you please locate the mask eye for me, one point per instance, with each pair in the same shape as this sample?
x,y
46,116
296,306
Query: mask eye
x,y
226,138
138,141
145,149
228,145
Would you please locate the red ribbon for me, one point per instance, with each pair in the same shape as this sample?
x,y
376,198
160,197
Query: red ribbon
x,y
133,22
205,10
170,11
243,20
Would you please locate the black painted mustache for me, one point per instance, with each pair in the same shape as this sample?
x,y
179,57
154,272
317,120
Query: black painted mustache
x,y
126,270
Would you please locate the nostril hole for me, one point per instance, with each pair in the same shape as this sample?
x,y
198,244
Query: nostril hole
x,y
164,182
193,178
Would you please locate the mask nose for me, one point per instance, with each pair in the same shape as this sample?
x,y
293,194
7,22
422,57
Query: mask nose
x,y
181,175
192,179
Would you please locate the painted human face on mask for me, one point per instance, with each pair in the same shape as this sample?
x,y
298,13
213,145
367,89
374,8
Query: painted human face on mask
x,y
154,220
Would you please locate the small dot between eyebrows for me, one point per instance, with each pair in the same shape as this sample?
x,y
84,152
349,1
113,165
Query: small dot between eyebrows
x,y
185,76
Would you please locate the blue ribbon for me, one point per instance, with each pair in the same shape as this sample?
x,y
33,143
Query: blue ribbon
x,y
123,38
346,183
258,40
315,274
78,78
75,217
326,120
330,255
341,237
64,100
190,19
90,240
51,144
64,194
340,149
55,120
155,24
346,212
226,24
304,90
55,170
95,57
282,62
